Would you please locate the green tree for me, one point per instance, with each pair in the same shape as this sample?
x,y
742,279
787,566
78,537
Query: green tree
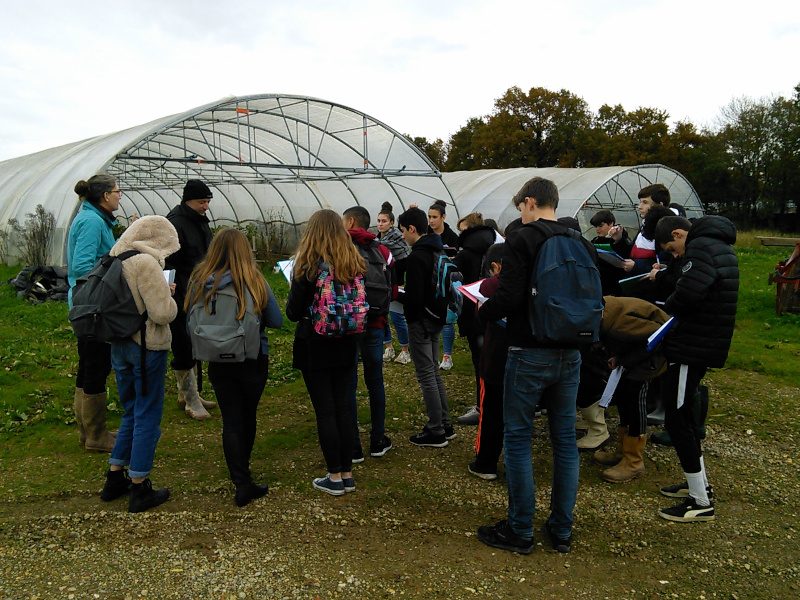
x,y
435,150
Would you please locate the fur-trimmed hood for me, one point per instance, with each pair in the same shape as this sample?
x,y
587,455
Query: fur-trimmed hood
x,y
153,235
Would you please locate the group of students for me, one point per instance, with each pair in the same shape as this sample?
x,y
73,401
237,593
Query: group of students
x,y
516,375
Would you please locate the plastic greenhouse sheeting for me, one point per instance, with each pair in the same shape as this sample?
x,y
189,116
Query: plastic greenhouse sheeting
x,y
266,158
582,192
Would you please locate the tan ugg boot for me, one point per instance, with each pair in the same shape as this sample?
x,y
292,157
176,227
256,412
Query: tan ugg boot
x,y
597,433
580,422
612,454
187,395
77,406
98,438
203,401
632,464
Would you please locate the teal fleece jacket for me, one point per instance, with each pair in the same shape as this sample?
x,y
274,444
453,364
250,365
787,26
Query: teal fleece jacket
x,y
91,236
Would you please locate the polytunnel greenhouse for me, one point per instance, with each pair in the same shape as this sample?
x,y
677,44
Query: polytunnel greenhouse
x,y
275,159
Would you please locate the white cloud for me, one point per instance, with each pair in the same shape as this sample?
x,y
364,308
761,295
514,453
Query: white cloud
x,y
72,70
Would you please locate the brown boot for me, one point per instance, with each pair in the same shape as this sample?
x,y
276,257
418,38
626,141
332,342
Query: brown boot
x,y
187,392
632,464
597,433
98,438
612,454
77,406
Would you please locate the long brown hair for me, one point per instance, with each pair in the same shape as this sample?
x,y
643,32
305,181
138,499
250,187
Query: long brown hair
x,y
229,251
325,238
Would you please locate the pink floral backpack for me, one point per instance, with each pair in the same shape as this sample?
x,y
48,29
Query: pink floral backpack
x,y
338,309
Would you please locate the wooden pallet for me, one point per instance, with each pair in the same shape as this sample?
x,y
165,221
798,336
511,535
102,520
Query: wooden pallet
x,y
777,241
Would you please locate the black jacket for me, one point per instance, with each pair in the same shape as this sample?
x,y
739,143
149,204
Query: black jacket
x,y
704,300
474,242
194,236
419,277
449,239
511,299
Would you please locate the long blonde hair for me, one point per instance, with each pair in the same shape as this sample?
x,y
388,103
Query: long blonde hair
x,y
229,251
326,239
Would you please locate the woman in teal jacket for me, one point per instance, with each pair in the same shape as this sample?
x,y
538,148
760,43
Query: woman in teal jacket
x,y
90,237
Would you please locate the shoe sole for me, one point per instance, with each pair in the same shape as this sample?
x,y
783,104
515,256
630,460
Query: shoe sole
x,y
431,444
381,453
484,476
328,490
682,493
358,461
697,519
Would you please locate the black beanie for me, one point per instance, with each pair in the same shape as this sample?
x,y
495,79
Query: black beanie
x,y
196,190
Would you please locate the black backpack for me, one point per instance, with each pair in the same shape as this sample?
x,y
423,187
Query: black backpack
x,y
103,308
378,280
566,298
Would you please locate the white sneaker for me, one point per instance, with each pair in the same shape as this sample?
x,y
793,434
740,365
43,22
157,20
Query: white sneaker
x,y
388,354
403,358
447,363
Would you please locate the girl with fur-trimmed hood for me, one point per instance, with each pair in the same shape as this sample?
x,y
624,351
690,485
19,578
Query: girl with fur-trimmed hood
x,y
140,378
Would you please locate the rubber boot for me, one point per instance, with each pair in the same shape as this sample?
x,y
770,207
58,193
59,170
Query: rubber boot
x,y
632,464
206,403
98,438
595,416
144,497
187,395
77,406
612,455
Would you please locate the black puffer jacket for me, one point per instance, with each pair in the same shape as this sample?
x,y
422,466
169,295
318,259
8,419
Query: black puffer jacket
x,y
474,242
194,235
704,300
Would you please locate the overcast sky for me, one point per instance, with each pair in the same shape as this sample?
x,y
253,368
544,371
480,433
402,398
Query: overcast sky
x,y
72,70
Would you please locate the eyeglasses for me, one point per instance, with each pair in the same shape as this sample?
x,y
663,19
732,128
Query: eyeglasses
x,y
118,191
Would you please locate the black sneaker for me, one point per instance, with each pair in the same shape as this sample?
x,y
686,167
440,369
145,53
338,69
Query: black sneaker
x,y
144,497
358,455
562,545
117,485
381,448
478,471
502,536
681,490
449,432
247,493
688,512
428,439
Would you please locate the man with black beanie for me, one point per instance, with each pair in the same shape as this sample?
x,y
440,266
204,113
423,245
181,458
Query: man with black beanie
x,y
194,236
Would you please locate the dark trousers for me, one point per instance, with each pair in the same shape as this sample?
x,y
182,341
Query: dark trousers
x,y
370,348
94,365
327,389
681,423
475,342
181,342
238,387
631,399
489,440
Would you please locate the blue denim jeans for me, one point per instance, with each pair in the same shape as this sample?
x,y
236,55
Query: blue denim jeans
x,y
400,325
370,347
140,426
549,377
448,338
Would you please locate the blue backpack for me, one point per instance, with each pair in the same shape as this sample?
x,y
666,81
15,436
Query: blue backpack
x,y
566,299
447,300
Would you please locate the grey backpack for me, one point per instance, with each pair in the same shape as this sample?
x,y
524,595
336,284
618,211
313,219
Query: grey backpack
x,y
217,335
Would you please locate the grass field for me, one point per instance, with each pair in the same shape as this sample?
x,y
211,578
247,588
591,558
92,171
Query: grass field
x,y
409,529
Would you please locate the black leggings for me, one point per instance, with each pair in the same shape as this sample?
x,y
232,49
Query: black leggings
x,y
489,439
681,423
94,365
238,387
327,389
